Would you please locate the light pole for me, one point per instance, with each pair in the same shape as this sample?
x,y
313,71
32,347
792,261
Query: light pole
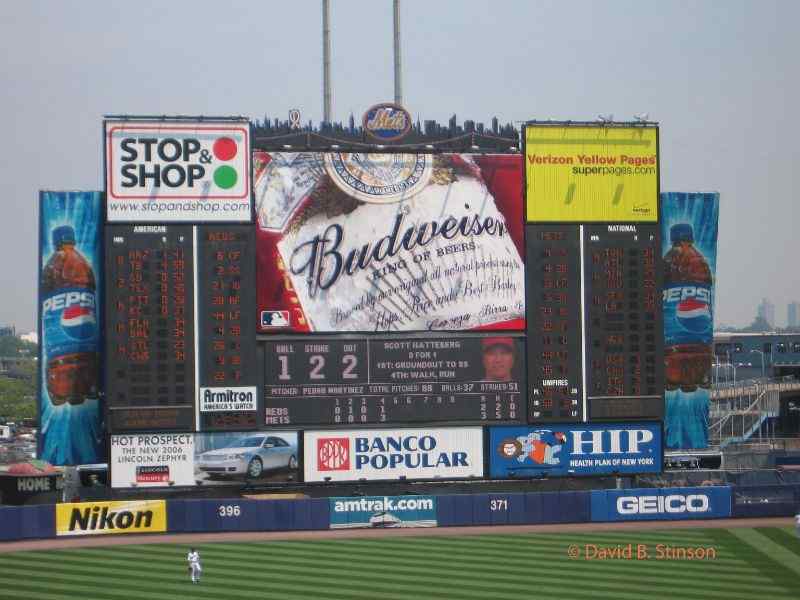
x,y
763,372
726,366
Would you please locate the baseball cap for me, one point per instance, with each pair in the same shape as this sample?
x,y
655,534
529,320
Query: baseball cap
x,y
488,342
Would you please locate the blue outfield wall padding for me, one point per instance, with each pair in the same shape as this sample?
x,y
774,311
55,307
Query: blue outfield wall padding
x,y
551,507
193,517
284,515
176,516
302,514
445,510
661,504
776,509
455,510
11,523
464,510
575,507
765,500
599,507
516,509
534,513
320,513
38,521
238,514
481,512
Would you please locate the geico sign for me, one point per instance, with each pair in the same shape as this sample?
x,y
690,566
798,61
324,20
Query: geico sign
x,y
652,505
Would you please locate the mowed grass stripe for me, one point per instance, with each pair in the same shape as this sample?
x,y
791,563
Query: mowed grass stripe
x,y
782,576
651,535
334,588
436,573
494,591
299,591
500,547
786,538
608,570
766,546
227,555
14,593
267,551
251,556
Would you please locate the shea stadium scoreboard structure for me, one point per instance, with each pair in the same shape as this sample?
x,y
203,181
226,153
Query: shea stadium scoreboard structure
x,y
286,304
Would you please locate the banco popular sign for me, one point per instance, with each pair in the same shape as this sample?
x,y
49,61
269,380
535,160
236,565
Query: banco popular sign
x,y
177,171
393,453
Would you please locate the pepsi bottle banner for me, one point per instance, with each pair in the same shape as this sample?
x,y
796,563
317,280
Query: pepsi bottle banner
x,y
575,449
689,224
70,284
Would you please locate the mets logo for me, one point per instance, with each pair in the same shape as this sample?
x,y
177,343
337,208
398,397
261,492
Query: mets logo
x,y
79,322
379,178
333,454
387,122
693,315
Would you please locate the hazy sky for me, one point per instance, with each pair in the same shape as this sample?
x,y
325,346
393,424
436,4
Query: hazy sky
x,y
721,78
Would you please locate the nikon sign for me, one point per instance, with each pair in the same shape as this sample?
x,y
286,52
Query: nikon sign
x,y
103,518
178,171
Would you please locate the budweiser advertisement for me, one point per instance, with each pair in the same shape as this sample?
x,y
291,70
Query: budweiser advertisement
x,y
383,454
389,242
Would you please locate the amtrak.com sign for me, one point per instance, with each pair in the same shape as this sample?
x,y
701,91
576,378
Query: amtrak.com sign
x,y
178,171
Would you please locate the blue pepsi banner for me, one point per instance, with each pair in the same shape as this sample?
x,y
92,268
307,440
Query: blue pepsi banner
x,y
382,512
689,224
575,449
70,284
661,504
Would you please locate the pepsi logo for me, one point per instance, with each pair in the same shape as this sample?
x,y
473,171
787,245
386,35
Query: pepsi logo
x,y
79,322
694,315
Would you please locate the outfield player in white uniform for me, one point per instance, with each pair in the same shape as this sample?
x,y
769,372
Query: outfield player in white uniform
x,y
194,565
797,524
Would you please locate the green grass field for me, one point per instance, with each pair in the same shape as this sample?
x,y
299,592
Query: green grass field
x,y
750,563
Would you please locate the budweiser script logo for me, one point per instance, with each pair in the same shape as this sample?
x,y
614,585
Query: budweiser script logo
x,y
322,262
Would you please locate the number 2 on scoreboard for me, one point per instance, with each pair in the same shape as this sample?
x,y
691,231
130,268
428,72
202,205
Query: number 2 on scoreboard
x,y
317,364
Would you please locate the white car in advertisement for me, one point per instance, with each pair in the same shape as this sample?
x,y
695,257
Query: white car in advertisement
x,y
249,457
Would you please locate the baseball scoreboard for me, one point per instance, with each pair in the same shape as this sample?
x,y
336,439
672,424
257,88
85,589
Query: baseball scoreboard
x,y
181,323
377,380
374,290
594,320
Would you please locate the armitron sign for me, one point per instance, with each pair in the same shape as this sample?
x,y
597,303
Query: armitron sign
x,y
103,518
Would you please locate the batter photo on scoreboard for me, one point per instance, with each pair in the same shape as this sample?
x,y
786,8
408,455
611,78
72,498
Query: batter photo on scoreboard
x,y
499,358
251,456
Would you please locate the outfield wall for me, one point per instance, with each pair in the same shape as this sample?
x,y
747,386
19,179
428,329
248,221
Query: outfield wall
x,y
195,516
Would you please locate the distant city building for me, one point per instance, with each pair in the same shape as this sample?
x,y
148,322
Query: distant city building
x,y
7,331
793,314
31,337
766,311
